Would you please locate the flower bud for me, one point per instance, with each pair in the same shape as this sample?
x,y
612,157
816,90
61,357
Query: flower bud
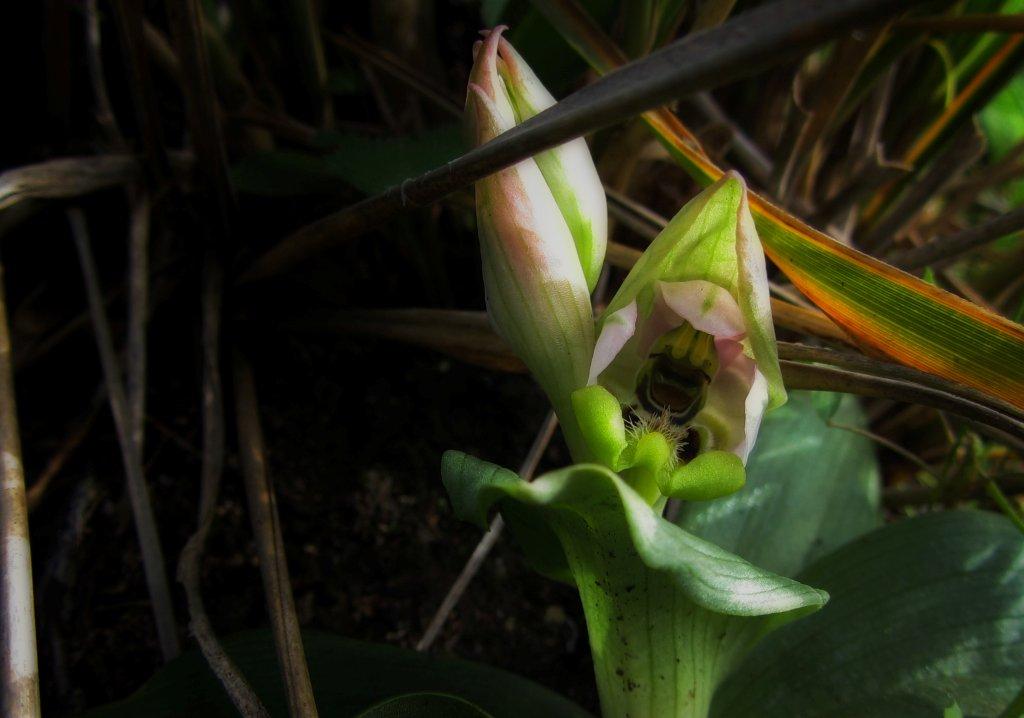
x,y
537,292
688,341
568,169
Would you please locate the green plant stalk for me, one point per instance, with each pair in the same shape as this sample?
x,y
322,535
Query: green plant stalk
x,y
655,653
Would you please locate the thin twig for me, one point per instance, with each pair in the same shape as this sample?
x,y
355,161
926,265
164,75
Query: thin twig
x,y
476,559
761,37
242,696
889,444
270,546
138,492
18,655
898,497
942,250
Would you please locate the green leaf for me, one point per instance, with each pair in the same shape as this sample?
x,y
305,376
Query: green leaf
x,y
652,593
369,164
924,612
492,11
348,677
810,489
1003,123
425,705
373,164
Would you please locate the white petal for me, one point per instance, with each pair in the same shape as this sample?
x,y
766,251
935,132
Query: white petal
x,y
618,328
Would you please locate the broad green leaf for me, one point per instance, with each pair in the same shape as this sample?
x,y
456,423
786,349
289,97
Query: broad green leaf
x,y
424,705
652,593
924,612
348,677
369,164
810,489
883,308
1003,122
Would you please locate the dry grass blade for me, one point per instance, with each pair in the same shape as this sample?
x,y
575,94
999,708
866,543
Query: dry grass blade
x,y
943,250
18,655
965,148
964,23
752,158
757,39
396,67
203,114
66,177
805,151
270,546
242,696
480,553
138,492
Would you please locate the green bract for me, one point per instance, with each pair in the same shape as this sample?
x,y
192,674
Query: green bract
x,y
652,593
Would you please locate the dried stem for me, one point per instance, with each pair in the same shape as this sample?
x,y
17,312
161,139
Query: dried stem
x,y
270,546
138,492
20,689
242,696
480,553
138,310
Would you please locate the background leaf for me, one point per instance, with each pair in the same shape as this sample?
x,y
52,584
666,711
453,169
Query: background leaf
x,y
924,612
810,488
369,164
348,677
424,705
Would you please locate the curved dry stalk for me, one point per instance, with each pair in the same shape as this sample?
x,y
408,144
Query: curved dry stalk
x,y
830,378
760,38
18,658
138,491
480,553
270,545
242,696
866,365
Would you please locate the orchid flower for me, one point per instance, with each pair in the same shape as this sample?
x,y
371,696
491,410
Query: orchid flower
x,y
688,345
542,225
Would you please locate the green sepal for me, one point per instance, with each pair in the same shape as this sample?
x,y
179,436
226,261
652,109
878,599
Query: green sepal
x,y
708,476
599,417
